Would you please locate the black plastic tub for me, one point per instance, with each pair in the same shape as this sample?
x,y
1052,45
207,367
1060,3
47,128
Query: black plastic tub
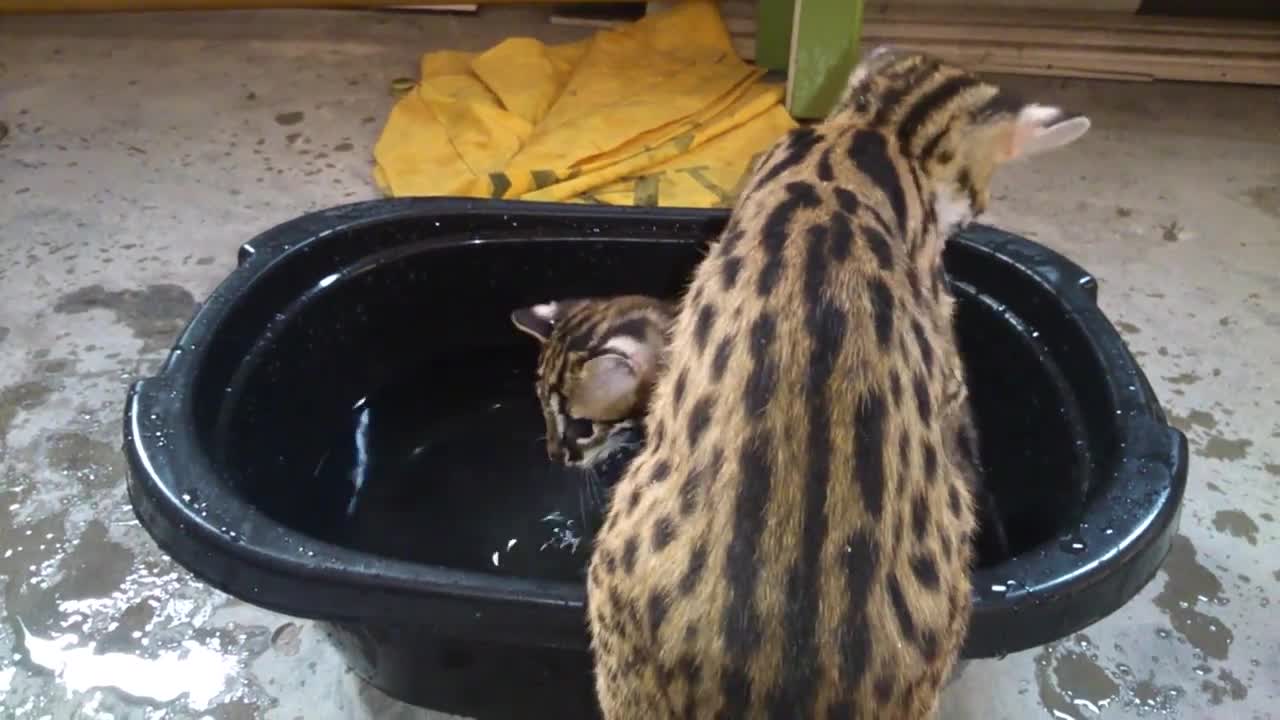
x,y
347,431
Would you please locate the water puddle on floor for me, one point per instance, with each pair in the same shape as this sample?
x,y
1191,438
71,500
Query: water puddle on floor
x,y
192,670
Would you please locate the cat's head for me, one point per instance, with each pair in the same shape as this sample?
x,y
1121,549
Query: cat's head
x,y
956,127
599,360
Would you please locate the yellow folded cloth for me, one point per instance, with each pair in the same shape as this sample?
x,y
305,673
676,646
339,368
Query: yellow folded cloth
x,y
659,112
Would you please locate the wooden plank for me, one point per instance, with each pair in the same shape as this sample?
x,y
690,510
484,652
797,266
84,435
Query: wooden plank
x,y
1049,34
745,46
599,15
738,9
1160,66
1109,6
1098,45
825,37
458,8
1064,72
1080,21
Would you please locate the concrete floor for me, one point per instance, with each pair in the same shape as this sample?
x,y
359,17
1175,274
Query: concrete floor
x,y
143,150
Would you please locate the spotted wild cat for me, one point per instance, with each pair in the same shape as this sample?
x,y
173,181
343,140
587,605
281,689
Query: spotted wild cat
x,y
794,540
599,360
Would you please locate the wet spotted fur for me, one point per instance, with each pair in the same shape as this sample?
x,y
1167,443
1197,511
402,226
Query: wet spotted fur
x,y
794,540
598,362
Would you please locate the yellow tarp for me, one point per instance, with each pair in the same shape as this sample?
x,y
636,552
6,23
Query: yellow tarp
x,y
659,112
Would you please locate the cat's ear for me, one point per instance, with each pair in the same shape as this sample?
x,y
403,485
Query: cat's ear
x,y
610,384
855,88
1037,129
607,388
537,320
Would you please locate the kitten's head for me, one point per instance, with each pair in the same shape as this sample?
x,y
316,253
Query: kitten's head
x,y
599,360
956,127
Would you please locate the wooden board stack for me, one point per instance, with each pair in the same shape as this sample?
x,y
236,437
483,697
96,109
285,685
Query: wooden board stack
x,y
1102,44
1109,45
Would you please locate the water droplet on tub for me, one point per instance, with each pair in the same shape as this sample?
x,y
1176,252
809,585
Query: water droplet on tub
x,y
1072,545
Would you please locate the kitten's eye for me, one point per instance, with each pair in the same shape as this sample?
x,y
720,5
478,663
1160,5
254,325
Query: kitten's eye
x,y
578,429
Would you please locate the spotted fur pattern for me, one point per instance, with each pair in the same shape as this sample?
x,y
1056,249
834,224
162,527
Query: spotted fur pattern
x,y
598,361
794,541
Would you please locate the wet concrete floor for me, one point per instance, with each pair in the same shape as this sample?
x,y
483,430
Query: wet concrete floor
x,y
142,150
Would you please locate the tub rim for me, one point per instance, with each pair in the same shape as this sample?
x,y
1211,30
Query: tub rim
x,y
247,554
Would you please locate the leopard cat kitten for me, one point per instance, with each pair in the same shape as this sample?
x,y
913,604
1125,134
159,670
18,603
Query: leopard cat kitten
x,y
598,361
625,436
795,538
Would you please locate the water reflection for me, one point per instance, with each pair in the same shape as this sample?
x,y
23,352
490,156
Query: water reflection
x,y
442,474
360,463
192,670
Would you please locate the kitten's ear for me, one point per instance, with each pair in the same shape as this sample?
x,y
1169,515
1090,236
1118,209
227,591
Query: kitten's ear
x,y
1038,129
611,384
607,388
537,320
873,59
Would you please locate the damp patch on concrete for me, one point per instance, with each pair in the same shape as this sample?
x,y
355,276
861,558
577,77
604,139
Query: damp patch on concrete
x,y
20,398
1071,683
95,567
1193,419
1225,687
58,366
130,626
1188,585
1265,198
155,314
1128,328
290,118
90,461
1272,468
4,333
1051,698
28,562
1186,378
1236,523
1217,447
1154,697
235,710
